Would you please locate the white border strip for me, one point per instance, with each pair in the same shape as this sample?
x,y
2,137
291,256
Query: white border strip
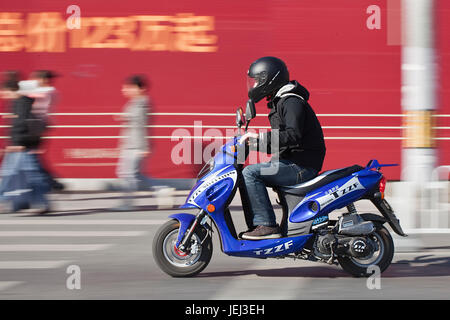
x,y
79,126
214,137
53,247
5,285
72,233
80,222
229,114
34,264
216,126
428,230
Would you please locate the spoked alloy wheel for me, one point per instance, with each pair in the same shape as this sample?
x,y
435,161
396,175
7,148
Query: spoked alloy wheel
x,y
178,263
177,257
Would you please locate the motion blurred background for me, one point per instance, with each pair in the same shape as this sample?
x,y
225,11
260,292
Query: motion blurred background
x,y
196,54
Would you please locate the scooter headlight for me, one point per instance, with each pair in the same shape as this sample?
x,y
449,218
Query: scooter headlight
x,y
207,168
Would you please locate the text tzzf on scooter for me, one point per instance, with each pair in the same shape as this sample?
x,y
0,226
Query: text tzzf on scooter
x,y
356,241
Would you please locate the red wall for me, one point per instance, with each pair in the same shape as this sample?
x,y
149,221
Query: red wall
x,y
326,44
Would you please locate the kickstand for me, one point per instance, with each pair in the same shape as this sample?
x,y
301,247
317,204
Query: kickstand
x,y
331,260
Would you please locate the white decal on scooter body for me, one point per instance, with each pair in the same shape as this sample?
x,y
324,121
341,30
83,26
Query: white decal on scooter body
x,y
279,248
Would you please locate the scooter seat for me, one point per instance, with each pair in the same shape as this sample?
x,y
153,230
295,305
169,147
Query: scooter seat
x,y
326,177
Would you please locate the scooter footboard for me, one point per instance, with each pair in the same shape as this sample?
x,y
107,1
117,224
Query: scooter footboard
x,y
268,247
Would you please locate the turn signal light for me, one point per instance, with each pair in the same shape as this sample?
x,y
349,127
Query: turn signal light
x,y
210,208
382,186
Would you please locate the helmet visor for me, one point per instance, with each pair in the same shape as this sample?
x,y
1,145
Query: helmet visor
x,y
251,83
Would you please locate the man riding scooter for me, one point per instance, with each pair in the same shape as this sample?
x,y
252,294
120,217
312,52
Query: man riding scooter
x,y
301,145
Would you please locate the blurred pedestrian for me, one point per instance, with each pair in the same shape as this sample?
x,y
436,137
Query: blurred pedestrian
x,y
133,145
23,183
41,88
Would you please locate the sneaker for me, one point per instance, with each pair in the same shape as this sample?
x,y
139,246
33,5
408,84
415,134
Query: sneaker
x,y
244,232
6,207
263,232
57,186
37,209
112,187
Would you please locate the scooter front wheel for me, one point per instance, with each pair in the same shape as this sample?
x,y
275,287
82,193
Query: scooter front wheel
x,y
177,263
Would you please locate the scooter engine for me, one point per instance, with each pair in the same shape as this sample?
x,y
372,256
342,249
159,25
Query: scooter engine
x,y
324,243
354,225
329,243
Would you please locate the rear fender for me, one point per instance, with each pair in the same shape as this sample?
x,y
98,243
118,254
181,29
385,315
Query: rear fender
x,y
373,217
387,212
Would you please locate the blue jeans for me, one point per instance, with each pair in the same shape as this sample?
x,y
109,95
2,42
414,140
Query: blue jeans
x,y
21,172
271,174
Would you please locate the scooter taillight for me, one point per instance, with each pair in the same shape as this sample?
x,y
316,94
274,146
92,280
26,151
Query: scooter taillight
x,y
382,186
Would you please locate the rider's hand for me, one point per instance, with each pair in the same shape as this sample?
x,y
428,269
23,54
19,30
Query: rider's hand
x,y
247,136
14,148
9,116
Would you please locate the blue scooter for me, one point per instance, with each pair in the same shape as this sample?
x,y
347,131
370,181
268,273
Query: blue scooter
x,y
182,247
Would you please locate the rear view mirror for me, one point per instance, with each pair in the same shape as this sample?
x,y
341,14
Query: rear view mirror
x,y
250,111
240,117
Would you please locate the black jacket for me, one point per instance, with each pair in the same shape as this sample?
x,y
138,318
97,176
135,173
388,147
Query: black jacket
x,y
300,134
25,128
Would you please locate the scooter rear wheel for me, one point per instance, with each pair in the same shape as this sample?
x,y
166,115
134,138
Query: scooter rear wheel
x,y
175,262
382,257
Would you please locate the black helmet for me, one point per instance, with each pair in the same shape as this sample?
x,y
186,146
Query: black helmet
x,y
265,76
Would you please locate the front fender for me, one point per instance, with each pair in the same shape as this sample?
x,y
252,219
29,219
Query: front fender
x,y
185,220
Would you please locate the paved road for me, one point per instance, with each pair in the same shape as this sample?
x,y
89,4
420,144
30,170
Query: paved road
x,y
113,253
